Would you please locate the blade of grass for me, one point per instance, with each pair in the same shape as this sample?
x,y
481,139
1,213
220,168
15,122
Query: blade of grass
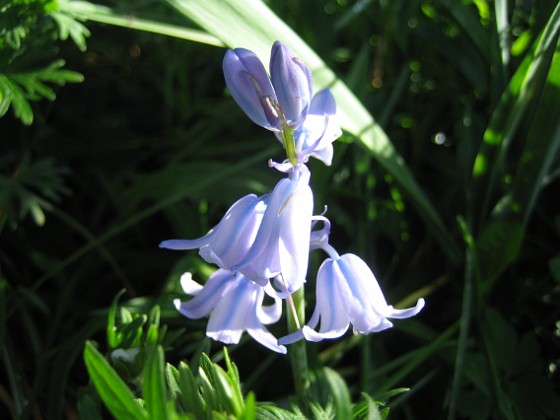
x,y
525,85
509,220
103,14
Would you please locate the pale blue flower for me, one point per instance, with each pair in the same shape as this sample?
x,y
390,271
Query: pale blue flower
x,y
347,292
263,237
321,127
273,103
281,247
228,242
235,305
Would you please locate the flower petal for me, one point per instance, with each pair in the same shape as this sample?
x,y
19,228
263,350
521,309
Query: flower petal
x,y
330,305
205,301
269,314
251,88
190,287
228,320
321,127
263,336
227,243
292,83
236,232
404,313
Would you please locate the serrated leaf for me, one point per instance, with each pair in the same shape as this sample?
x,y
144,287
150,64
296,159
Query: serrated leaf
x,y
270,412
115,394
69,26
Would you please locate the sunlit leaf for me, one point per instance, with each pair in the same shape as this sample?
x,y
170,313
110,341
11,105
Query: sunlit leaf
x,y
116,395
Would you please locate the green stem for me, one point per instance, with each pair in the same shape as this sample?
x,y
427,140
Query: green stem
x,y
298,352
289,145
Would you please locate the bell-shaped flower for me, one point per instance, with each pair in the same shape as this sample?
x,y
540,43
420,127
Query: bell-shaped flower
x,y
347,292
235,305
292,83
228,242
317,133
283,99
281,246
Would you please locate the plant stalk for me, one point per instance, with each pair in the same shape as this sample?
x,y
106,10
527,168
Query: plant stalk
x,y
298,351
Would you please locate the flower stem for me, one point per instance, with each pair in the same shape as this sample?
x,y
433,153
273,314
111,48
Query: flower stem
x,y
298,352
289,145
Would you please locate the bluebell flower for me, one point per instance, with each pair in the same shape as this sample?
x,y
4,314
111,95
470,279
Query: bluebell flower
x,y
235,305
229,241
347,292
317,133
276,102
281,247
263,237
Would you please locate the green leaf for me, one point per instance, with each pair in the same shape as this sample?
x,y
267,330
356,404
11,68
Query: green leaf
x,y
190,397
153,326
249,409
172,380
69,26
17,89
103,14
522,91
154,390
111,321
369,409
130,334
116,395
501,239
229,393
339,393
271,412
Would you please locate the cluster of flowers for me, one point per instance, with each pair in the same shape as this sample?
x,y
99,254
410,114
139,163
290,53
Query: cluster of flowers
x,y
262,244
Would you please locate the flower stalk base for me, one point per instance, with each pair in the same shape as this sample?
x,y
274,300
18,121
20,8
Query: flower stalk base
x,y
298,351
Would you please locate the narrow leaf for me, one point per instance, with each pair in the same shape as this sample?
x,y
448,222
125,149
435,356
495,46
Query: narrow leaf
x,y
154,390
116,395
522,91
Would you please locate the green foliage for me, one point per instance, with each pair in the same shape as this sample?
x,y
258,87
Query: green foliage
x,y
26,45
445,180
159,391
28,186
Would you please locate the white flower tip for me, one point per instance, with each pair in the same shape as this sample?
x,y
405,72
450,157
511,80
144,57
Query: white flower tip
x,y
190,287
177,303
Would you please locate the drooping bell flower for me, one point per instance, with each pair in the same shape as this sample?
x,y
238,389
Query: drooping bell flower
x,y
281,246
235,305
347,292
276,102
229,241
